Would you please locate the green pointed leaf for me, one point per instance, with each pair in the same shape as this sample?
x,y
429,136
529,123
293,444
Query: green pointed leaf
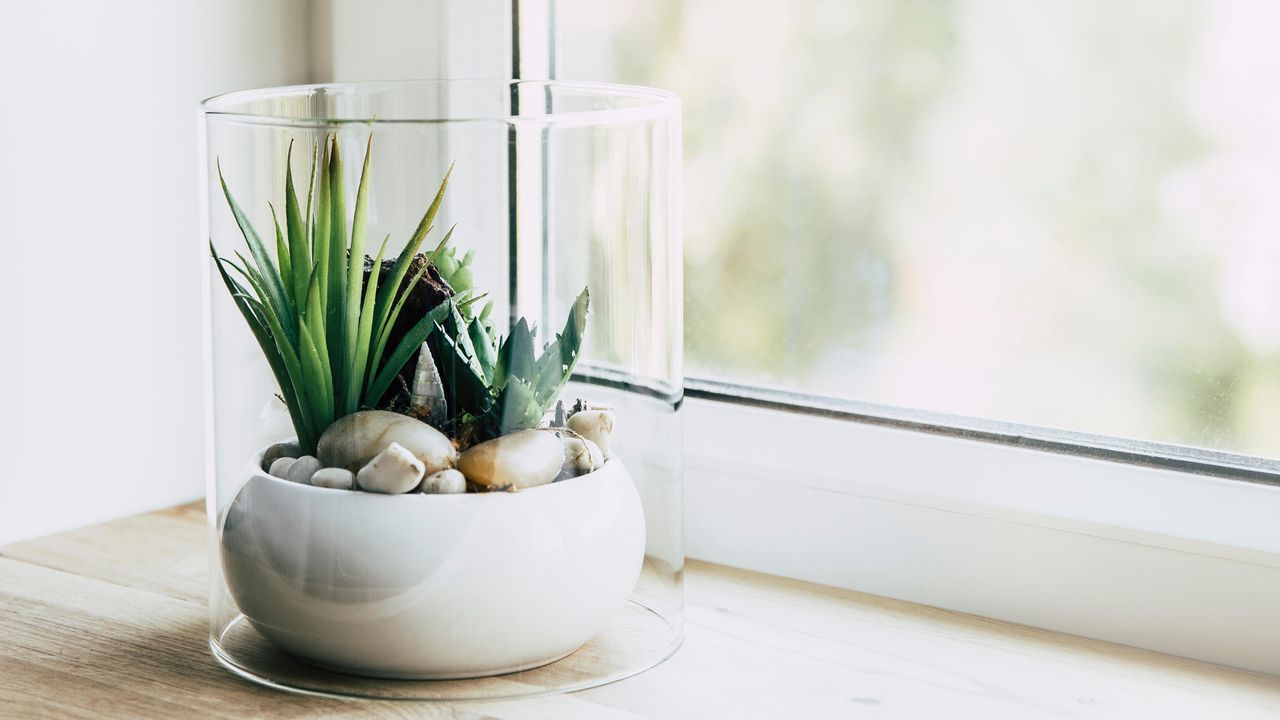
x,y
315,325
515,356
442,246
465,387
273,284
261,333
385,315
355,279
282,251
307,217
551,366
517,407
486,356
336,309
320,237
299,249
259,284
384,334
292,364
558,360
456,328
317,381
364,333
401,266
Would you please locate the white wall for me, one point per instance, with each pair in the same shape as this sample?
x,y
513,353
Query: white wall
x,y
356,40
100,379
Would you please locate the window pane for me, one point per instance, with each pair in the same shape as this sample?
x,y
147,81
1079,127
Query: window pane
x,y
1060,214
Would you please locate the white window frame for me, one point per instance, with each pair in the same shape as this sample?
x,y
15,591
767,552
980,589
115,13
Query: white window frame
x,y
1181,562
1137,543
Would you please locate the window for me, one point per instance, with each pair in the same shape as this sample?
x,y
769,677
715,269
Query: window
x,y
1060,215
1048,225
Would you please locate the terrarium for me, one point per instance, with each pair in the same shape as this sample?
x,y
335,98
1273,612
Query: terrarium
x,y
444,381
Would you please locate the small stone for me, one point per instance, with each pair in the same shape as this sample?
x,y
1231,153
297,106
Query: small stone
x,y
302,470
596,454
522,459
280,467
444,482
581,456
277,451
336,478
594,425
354,440
393,471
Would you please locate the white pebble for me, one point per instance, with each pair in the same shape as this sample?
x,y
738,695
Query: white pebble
x,y
353,441
302,470
581,456
280,467
444,482
594,425
336,478
597,455
393,471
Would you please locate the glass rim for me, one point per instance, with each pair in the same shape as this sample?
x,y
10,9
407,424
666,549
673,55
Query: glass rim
x,y
653,104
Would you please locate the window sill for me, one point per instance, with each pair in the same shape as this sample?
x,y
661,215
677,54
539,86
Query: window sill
x,y
93,607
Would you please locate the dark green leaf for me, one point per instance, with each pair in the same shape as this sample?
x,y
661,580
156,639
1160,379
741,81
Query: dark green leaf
x,y
336,307
485,355
517,408
515,357
465,388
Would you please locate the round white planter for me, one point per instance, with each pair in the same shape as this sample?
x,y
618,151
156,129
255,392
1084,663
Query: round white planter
x,y
433,586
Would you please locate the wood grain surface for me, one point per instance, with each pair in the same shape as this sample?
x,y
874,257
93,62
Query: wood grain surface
x,y
111,621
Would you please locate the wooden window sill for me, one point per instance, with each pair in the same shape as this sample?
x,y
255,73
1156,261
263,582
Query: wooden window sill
x,y
112,620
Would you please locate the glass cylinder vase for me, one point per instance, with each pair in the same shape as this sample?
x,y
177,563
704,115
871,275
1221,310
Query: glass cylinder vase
x,y
444,374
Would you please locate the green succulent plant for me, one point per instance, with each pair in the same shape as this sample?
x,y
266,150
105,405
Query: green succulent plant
x,y
323,327
496,386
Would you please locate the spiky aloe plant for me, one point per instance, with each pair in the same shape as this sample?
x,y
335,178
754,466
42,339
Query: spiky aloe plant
x,y
323,327
499,386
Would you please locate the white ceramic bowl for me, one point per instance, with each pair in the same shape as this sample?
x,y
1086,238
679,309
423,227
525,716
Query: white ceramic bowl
x,y
433,586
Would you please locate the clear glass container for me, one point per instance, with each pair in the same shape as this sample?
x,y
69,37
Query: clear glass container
x,y
520,586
